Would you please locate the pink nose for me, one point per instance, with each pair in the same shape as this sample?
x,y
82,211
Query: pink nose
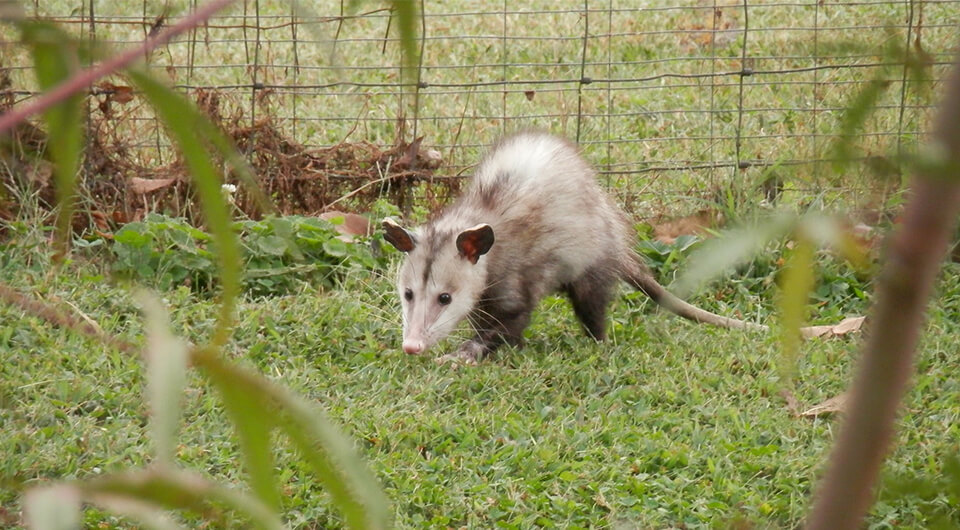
x,y
412,347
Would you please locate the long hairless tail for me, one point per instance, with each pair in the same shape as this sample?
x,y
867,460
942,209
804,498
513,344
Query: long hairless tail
x,y
639,276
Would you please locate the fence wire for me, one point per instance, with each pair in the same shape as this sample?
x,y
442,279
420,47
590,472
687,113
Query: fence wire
x,y
675,102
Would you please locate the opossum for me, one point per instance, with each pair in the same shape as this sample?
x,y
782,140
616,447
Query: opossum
x,y
532,221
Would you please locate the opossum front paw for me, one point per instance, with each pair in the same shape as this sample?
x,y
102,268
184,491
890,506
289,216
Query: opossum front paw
x,y
455,360
469,354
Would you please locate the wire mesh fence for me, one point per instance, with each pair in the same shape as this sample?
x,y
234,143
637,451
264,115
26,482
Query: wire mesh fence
x,y
675,102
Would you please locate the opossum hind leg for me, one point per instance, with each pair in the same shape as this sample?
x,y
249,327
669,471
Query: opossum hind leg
x,y
590,295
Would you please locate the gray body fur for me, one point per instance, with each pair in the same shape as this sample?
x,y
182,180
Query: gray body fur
x,y
553,229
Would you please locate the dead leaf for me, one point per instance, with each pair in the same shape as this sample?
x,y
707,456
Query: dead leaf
x,y
812,332
792,404
432,158
8,518
122,94
120,217
668,231
846,326
830,406
140,186
352,225
118,93
409,157
100,220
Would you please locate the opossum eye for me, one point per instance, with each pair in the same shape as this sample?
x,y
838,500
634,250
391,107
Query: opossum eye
x,y
444,298
408,294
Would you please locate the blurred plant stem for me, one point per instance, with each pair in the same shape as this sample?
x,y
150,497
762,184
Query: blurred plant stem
x,y
915,253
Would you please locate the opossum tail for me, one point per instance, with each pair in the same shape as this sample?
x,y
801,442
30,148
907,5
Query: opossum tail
x,y
639,276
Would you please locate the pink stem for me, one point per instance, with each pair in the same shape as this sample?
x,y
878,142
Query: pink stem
x,y
903,290
86,77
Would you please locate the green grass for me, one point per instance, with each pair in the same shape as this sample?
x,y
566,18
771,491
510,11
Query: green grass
x,y
667,424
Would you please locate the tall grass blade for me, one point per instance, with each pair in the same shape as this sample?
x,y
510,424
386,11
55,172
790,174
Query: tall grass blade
x,y
354,488
236,162
179,490
797,281
166,358
254,419
55,59
718,255
52,508
858,110
826,231
406,14
183,122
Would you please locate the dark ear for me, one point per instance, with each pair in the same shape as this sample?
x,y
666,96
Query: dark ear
x,y
475,242
397,236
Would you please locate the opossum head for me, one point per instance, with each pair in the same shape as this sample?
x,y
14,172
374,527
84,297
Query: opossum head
x,y
441,279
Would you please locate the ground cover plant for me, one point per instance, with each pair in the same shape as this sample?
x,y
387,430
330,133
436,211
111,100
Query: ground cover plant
x,y
278,252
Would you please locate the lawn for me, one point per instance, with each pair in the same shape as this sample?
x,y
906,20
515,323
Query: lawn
x,y
668,424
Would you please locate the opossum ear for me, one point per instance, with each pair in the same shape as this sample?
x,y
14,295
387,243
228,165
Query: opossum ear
x,y
475,242
397,236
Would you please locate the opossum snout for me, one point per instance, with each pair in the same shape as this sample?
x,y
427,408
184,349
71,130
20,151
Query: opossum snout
x,y
413,347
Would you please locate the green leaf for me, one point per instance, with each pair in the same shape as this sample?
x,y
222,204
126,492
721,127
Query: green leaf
x,y
56,58
315,225
827,231
406,16
855,115
716,256
182,237
178,490
166,378
52,508
336,248
795,286
284,228
353,487
183,123
254,419
131,235
685,241
273,245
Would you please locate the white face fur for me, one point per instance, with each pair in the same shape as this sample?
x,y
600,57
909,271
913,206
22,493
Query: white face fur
x,y
440,281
